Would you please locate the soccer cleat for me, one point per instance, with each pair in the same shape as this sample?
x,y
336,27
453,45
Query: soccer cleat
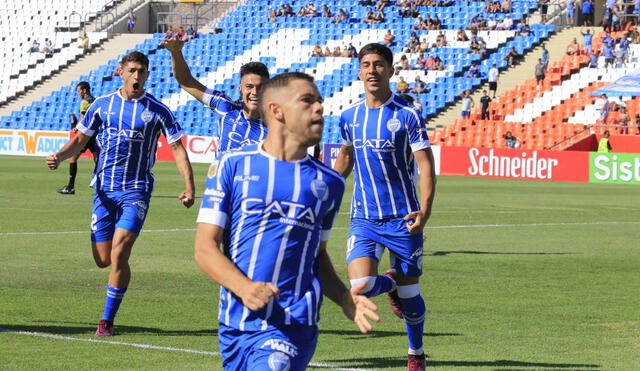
x,y
105,328
416,363
394,299
66,190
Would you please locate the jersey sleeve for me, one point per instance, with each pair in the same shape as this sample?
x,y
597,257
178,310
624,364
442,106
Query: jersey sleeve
x,y
217,196
84,106
344,130
417,131
91,121
328,219
218,101
170,127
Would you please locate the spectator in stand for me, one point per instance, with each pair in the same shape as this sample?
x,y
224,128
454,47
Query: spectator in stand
x,y
191,33
593,59
588,40
84,42
345,52
326,12
413,45
337,52
381,4
328,52
424,45
402,86
35,47
607,19
484,104
438,65
491,23
474,70
48,47
379,17
169,34
616,18
523,29
604,145
402,64
573,48
429,63
420,24
285,11
370,17
623,50
366,2
272,14
570,11
420,62
419,86
506,6
539,71
389,38
417,104
181,33
317,51
545,57
131,20
623,120
441,40
512,57
467,104
506,24
462,36
544,5
607,51
493,79
510,141
340,17
587,12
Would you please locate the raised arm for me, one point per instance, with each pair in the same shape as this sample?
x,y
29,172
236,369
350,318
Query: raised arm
x,y
181,70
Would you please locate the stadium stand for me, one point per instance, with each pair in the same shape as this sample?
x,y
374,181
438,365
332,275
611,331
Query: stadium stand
x,y
37,20
286,44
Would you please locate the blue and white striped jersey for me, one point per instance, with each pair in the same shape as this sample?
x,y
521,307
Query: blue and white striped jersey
x,y
235,129
276,213
127,135
384,140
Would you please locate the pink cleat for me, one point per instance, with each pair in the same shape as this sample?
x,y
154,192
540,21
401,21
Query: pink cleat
x,y
394,300
416,363
105,328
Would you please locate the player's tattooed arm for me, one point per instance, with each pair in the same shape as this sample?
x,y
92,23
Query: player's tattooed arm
x,y
356,307
70,149
418,219
181,70
344,162
254,295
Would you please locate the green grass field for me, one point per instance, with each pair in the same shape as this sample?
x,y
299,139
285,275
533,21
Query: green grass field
x,y
518,276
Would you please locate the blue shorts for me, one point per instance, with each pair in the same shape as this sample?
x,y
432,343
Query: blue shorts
x,y
121,209
368,238
275,349
465,114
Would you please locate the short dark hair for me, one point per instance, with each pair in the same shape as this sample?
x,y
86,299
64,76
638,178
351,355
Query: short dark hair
x,y
84,86
379,49
280,81
257,68
135,56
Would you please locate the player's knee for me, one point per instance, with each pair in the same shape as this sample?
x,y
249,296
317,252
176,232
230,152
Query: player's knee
x,y
369,282
408,291
102,263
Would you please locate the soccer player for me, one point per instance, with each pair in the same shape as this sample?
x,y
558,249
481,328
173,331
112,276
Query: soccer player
x,y
273,207
383,135
84,91
128,123
240,121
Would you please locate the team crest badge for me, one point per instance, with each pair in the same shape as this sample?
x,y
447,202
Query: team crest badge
x,y
320,189
146,116
393,125
213,170
279,361
142,208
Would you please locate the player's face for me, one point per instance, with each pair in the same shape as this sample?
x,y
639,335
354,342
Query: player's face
x,y
375,72
81,92
302,110
134,75
250,86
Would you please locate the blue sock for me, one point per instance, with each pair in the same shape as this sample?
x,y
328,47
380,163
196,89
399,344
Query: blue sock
x,y
413,311
383,284
112,302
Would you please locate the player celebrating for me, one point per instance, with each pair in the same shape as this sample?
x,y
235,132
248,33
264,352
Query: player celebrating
x,y
84,91
240,121
128,123
382,136
274,206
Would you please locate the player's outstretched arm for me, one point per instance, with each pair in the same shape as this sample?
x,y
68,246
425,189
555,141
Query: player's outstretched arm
x,y
184,167
70,149
344,162
181,70
424,160
356,307
254,295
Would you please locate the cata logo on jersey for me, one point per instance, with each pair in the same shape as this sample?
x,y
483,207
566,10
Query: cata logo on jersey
x,y
130,134
375,145
291,213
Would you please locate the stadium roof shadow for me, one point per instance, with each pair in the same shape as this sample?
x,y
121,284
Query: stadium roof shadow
x,y
444,253
381,362
353,334
90,328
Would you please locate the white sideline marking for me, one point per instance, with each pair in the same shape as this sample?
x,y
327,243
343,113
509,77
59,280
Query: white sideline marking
x,y
461,226
149,346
